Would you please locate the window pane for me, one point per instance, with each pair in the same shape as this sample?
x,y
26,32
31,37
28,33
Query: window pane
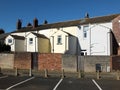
x,y
30,40
85,29
9,40
59,40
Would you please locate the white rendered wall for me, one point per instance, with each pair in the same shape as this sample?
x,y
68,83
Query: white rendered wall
x,y
34,46
98,39
59,48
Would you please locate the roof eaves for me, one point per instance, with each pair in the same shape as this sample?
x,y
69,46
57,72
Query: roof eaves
x,y
18,37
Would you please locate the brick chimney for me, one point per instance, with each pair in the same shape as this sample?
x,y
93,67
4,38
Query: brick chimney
x,y
35,22
19,24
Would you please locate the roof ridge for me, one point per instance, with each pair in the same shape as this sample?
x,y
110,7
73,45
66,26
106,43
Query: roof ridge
x,y
104,16
80,19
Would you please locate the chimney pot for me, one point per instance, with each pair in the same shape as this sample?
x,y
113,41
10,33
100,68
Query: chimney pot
x,y
29,24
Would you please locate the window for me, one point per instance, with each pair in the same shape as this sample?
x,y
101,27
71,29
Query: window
x,y
9,40
85,29
30,40
59,39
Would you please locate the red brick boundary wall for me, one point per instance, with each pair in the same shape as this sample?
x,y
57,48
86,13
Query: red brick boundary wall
x,y
50,61
115,62
22,60
116,28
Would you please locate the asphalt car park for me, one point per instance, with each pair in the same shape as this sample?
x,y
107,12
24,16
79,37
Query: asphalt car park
x,y
56,83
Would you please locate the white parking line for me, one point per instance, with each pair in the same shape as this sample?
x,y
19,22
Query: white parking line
x,y
3,77
20,83
96,84
57,84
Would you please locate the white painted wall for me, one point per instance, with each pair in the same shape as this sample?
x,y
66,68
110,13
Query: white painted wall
x,y
71,30
19,34
59,48
24,34
34,46
49,32
98,39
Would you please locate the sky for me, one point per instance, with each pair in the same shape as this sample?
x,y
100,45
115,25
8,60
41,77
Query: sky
x,y
52,11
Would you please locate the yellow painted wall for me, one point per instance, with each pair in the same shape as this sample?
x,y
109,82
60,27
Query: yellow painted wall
x,y
44,45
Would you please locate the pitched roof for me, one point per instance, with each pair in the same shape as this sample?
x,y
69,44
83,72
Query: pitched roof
x,y
83,21
18,37
40,35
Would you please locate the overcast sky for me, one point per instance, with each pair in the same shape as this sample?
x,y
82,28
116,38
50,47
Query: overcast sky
x,y
52,10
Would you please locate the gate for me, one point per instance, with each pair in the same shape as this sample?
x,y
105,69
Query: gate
x,y
34,61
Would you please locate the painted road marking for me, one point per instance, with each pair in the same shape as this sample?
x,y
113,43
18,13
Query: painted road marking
x,y
58,84
96,84
3,77
20,83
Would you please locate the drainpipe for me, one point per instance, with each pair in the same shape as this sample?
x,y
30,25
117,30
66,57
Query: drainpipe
x,y
25,47
66,37
90,39
35,44
53,43
26,44
108,34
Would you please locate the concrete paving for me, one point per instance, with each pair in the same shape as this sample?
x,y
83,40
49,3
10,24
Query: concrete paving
x,y
56,83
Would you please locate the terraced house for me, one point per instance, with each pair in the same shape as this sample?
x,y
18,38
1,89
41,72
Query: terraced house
x,y
87,36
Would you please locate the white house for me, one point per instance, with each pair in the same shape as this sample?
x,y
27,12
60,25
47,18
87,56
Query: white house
x,y
31,43
64,42
37,43
90,36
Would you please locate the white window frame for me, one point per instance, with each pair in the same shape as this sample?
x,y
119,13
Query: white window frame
x,y
30,41
59,40
85,29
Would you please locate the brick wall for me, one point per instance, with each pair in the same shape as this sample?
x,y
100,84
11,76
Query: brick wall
x,y
116,28
119,51
22,60
115,62
116,32
50,61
